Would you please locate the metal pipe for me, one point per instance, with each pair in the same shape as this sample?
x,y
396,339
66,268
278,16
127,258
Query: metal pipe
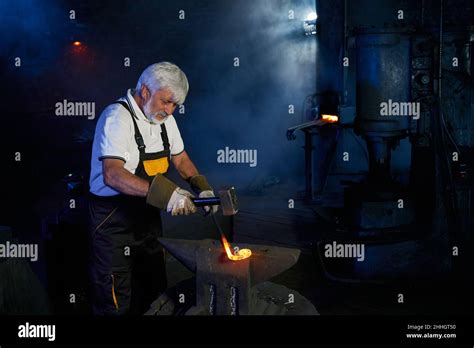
x,y
308,154
440,62
345,73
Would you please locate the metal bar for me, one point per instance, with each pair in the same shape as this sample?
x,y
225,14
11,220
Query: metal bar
x,y
308,155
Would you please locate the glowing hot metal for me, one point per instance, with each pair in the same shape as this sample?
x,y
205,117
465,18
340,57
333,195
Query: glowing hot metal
x,y
239,255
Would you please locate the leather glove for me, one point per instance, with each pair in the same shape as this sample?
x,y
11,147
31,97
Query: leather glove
x,y
180,203
160,191
199,183
207,208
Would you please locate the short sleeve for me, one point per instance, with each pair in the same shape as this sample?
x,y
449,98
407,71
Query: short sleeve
x,y
176,142
113,134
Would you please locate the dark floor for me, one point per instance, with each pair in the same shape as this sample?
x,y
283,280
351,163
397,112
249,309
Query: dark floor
x,y
410,268
415,269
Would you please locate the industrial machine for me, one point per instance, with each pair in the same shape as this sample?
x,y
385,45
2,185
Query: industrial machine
x,y
389,155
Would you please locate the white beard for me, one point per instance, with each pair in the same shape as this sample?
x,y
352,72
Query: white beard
x,y
152,116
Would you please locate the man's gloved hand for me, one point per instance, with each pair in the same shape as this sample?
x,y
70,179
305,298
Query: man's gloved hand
x,y
165,194
180,203
199,184
208,194
160,191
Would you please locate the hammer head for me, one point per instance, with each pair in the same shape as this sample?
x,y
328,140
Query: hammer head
x,y
228,200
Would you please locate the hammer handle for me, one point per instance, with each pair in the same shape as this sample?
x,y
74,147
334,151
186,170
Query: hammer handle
x,y
201,202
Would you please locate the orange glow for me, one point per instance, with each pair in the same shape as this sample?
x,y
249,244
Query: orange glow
x,y
77,43
329,118
242,253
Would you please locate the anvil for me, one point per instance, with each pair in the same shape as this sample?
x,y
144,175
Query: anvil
x,y
222,285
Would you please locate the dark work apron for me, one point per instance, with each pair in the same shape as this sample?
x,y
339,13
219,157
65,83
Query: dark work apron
x,y
127,262
152,163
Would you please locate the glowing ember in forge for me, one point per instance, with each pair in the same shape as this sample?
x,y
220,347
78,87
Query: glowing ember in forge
x,y
239,255
329,118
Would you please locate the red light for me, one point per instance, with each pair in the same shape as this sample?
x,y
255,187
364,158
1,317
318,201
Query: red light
x,y
77,43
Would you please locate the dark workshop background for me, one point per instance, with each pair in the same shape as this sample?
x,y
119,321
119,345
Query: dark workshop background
x,y
247,107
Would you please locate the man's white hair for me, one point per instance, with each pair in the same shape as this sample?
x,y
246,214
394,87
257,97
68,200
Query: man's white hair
x,y
165,75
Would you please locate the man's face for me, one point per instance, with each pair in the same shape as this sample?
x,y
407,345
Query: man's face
x,y
159,105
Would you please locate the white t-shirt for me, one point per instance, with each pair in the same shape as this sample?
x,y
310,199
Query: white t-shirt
x,y
114,138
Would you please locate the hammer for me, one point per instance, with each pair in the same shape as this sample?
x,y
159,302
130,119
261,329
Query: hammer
x,y
226,198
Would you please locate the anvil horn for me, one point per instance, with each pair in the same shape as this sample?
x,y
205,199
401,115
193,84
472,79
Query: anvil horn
x,y
183,250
